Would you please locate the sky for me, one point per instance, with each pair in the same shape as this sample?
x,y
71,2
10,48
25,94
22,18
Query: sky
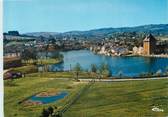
x,y
69,15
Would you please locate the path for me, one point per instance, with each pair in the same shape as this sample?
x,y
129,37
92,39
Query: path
x,y
120,80
113,80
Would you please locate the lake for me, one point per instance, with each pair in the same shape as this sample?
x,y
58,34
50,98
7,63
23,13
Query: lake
x,y
127,66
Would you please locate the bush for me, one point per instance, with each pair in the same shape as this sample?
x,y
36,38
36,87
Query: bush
x,y
45,113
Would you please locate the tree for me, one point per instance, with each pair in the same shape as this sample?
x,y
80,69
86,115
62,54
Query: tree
x,y
93,68
104,70
159,72
14,33
77,69
58,56
28,54
99,74
167,69
51,39
46,51
120,74
51,110
45,113
24,55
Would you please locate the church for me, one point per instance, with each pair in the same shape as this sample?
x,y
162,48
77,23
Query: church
x,y
151,46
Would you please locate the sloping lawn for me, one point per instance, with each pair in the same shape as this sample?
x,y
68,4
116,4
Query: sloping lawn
x,y
123,99
19,89
62,75
42,61
26,69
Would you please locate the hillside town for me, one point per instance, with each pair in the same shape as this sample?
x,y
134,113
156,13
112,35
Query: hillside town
x,y
150,46
14,44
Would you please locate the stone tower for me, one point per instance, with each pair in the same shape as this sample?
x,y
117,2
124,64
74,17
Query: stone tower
x,y
149,45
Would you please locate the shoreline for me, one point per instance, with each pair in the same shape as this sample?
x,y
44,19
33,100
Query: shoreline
x,y
135,55
158,56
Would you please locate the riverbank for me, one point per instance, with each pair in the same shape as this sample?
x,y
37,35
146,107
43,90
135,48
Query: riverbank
x,y
158,56
136,55
154,56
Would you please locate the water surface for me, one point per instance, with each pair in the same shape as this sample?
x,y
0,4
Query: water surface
x,y
127,66
49,99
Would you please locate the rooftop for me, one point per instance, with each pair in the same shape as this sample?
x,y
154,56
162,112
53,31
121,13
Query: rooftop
x,y
150,37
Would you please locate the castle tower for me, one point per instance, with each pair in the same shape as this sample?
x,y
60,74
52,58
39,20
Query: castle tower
x,y
149,45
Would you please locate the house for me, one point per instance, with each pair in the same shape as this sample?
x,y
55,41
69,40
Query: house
x,y
12,54
140,50
135,50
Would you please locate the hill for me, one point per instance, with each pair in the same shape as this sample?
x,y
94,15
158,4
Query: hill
x,y
155,29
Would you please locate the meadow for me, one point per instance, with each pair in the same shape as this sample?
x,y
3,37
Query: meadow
x,y
102,99
122,99
19,89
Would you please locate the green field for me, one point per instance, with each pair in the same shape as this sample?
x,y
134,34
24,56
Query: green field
x,y
122,99
103,99
20,89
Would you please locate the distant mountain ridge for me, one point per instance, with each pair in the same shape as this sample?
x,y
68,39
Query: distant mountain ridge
x,y
44,34
155,29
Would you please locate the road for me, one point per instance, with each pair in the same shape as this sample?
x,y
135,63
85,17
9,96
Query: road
x,y
121,80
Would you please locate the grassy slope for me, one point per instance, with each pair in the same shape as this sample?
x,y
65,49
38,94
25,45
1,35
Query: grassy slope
x,y
62,75
26,87
43,61
26,69
122,99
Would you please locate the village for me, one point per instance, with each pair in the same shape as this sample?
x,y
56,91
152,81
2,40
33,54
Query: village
x,y
149,47
107,46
